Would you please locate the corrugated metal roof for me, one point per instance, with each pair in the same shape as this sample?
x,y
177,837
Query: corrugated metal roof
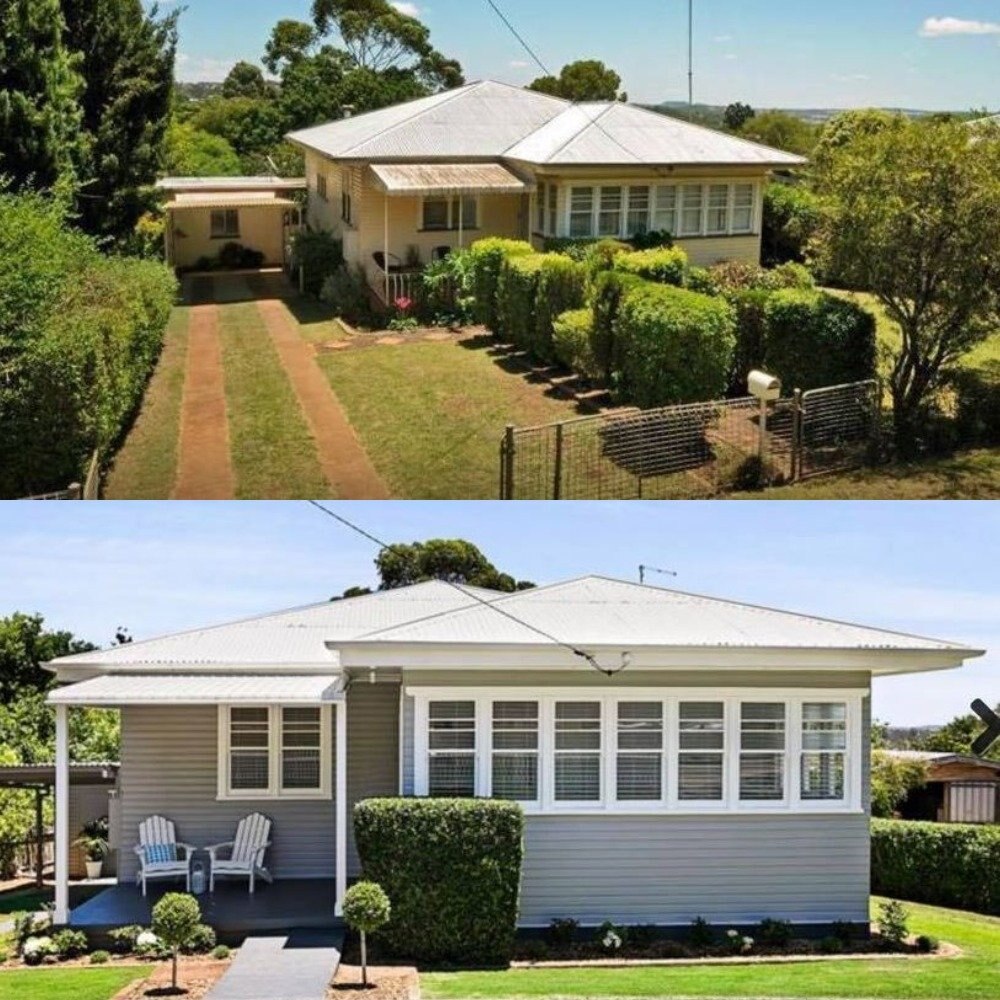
x,y
90,773
489,120
229,199
198,689
596,611
293,637
447,179
941,758
259,183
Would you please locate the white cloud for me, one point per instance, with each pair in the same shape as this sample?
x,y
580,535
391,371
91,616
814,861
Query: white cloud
x,y
201,69
518,64
409,9
942,27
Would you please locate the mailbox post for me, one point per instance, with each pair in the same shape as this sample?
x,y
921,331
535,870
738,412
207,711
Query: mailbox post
x,y
767,389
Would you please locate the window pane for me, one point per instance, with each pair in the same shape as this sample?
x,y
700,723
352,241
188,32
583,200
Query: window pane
x,y
609,219
540,207
578,777
515,777
248,727
638,211
581,218
553,209
762,776
515,728
469,212
700,777
248,770
640,777
578,725
300,748
824,726
640,725
691,205
300,769
762,726
822,776
451,766
718,208
743,198
702,725
666,208
435,213
452,775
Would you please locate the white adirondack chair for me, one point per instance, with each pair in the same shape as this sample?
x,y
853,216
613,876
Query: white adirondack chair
x,y
246,853
158,830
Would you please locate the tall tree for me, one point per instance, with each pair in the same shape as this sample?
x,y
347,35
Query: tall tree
x,y
39,88
450,559
25,644
126,57
737,115
912,215
781,131
957,736
244,80
583,80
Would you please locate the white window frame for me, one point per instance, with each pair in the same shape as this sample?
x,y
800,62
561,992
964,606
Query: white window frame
x,y
227,232
453,216
783,753
792,804
493,752
478,728
274,790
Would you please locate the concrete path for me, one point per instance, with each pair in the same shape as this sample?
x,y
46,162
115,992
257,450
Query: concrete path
x,y
296,966
204,469
341,456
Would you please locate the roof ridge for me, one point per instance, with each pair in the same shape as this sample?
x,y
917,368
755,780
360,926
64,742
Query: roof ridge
x,y
605,107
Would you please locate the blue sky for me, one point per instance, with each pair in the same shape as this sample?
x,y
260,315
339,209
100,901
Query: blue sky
x,y
907,53
930,568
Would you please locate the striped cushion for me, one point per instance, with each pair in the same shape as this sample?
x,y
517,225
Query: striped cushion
x,y
159,853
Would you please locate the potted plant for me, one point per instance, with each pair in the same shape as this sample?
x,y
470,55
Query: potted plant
x,y
94,841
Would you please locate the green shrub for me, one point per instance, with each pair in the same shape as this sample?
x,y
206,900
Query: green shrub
x,y
977,404
201,942
792,275
220,951
673,346
844,931
4,956
488,257
701,934
927,944
366,910
533,950
665,266
99,957
36,949
320,254
561,287
561,931
452,868
123,939
813,339
346,291
69,943
943,864
750,307
892,923
776,933
517,293
791,217
28,925
176,919
700,279
831,945
608,290
572,340
651,240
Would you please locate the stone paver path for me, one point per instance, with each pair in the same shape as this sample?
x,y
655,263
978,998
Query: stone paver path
x,y
342,458
204,469
294,966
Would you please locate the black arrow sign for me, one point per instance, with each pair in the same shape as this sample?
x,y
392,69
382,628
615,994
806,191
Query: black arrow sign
x,y
986,739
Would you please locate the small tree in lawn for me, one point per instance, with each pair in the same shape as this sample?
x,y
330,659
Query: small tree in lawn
x,y
175,918
366,909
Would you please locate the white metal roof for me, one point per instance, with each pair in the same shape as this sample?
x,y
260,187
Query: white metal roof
x,y
112,690
427,179
296,637
599,612
256,183
489,120
229,199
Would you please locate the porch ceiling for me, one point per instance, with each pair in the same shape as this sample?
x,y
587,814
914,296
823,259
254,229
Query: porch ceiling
x,y
430,179
111,690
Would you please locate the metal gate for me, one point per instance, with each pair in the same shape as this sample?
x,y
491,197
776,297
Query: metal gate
x,y
840,428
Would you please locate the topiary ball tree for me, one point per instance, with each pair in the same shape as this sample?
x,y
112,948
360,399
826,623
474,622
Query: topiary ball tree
x,y
366,909
176,918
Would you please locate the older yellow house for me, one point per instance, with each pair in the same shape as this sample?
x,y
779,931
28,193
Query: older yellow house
x,y
406,184
203,214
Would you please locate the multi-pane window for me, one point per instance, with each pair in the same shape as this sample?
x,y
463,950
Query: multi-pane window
x,y
225,224
637,218
515,750
578,751
553,208
249,749
435,213
581,212
450,213
743,199
451,764
692,203
301,745
639,762
321,186
702,745
609,216
665,216
762,751
718,208
824,747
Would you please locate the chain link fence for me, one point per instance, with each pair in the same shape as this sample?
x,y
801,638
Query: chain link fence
x,y
689,451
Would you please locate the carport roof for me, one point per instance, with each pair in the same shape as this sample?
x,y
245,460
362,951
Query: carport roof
x,y
428,179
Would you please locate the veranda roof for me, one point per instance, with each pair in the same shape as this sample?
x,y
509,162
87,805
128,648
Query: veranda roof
x,y
429,179
113,690
228,199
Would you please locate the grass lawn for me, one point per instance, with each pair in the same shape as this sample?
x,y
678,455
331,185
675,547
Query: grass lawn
x,y
146,466
974,976
67,984
274,456
431,415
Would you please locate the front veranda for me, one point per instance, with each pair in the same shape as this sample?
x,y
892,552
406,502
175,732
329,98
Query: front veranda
x,y
304,893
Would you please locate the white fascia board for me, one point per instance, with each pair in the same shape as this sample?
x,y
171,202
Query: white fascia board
x,y
544,657
70,673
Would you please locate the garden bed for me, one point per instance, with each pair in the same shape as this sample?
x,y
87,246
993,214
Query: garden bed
x,y
385,982
195,977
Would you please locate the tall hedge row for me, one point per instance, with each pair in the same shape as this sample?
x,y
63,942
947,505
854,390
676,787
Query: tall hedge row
x,y
452,871
487,260
664,265
79,336
517,288
946,864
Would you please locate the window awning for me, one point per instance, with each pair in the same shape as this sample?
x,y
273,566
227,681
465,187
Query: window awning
x,y
430,179
228,199
114,690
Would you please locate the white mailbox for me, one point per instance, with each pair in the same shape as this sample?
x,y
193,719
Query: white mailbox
x,y
765,387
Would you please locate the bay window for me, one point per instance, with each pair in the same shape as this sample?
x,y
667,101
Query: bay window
x,y
451,745
639,763
578,751
701,760
515,750
762,751
824,748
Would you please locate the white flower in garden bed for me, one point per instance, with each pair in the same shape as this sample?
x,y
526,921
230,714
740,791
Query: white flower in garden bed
x,y
612,941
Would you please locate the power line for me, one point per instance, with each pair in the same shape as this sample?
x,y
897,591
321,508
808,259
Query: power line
x,y
527,48
385,546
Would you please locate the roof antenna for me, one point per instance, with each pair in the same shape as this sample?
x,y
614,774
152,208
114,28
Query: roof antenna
x,y
691,53
643,570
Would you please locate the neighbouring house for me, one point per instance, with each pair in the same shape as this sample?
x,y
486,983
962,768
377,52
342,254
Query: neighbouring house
x,y
406,184
960,788
723,772
204,214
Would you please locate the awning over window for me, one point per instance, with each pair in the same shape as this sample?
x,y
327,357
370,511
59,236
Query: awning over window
x,y
430,179
228,199
113,690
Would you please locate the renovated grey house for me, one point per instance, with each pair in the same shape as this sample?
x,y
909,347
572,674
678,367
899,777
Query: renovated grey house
x,y
675,755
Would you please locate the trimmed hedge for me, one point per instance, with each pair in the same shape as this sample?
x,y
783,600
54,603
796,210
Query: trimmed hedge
x,y
665,266
487,260
675,346
977,404
813,339
945,864
750,306
561,286
573,339
607,292
517,289
452,869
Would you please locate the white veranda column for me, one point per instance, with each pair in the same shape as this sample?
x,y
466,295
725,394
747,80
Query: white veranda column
x,y
61,914
341,804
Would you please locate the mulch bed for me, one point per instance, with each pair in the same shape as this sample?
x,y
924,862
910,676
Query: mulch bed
x,y
195,977
385,982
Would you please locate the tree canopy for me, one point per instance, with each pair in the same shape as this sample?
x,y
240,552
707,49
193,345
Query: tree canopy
x,y
244,80
845,127
584,80
192,152
892,780
782,131
737,115
455,560
957,736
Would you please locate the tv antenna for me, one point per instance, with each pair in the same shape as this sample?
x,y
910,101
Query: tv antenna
x,y
691,53
643,570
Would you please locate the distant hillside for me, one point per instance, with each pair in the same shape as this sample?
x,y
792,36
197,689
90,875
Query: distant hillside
x,y
712,113
197,91
901,737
